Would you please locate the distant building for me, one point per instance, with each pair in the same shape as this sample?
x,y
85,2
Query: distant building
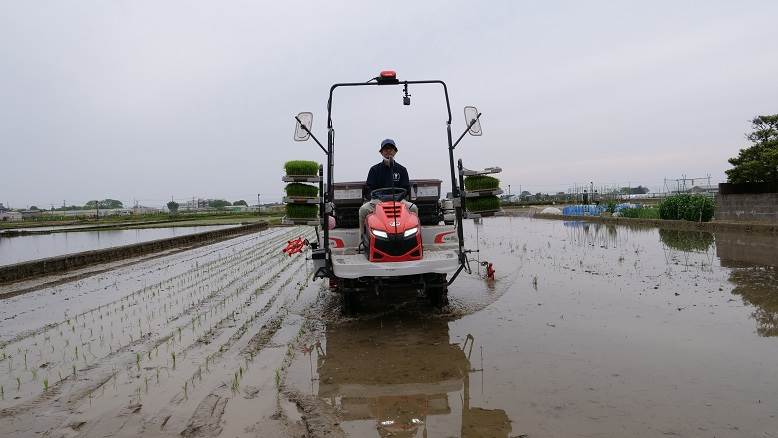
x,y
7,215
71,213
140,209
194,205
704,189
31,213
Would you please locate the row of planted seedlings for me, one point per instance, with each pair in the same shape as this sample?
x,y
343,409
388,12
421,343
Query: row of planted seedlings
x,y
105,313
302,197
481,192
58,352
242,349
181,340
81,350
196,354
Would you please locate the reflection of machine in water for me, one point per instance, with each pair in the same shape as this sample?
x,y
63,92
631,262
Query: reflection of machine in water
x,y
405,376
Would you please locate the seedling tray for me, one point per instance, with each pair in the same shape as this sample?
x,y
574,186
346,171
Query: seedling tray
x,y
301,200
487,171
487,192
300,221
301,178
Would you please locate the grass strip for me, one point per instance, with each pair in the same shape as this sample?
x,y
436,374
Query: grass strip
x,y
641,213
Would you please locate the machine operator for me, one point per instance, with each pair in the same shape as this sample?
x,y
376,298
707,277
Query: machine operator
x,y
386,174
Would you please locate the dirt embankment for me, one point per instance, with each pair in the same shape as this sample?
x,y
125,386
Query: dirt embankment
x,y
69,262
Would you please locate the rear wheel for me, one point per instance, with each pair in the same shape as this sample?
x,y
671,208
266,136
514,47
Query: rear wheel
x,y
437,289
438,297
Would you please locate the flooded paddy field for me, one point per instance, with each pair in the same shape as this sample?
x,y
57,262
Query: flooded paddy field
x,y
32,247
587,330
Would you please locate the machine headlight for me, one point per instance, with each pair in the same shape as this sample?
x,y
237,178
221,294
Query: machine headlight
x,y
380,233
410,232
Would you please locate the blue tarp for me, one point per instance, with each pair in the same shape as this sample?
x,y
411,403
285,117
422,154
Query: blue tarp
x,y
583,210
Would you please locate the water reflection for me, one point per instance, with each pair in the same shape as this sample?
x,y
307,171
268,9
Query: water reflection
x,y
38,246
754,262
591,234
687,241
405,378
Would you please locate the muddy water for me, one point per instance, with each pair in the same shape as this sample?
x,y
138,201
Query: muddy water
x,y
23,248
587,330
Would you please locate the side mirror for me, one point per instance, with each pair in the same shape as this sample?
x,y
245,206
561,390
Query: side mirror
x,y
304,120
472,119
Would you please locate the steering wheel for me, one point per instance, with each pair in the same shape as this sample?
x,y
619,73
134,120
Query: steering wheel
x,y
389,194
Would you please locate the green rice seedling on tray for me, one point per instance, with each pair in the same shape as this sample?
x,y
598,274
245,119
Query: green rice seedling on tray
x,y
300,190
302,211
301,168
481,182
482,203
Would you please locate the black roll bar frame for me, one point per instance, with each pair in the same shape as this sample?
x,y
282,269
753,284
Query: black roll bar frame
x,y
325,209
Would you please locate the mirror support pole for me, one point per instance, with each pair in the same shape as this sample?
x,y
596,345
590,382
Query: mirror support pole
x,y
305,128
463,134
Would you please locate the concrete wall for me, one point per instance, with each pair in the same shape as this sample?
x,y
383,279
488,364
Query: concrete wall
x,y
747,207
52,265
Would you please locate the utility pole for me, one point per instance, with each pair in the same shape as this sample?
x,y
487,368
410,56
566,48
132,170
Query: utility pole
x,y
259,208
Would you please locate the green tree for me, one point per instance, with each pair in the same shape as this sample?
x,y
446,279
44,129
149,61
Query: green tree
x,y
34,208
758,163
241,202
218,203
172,206
111,203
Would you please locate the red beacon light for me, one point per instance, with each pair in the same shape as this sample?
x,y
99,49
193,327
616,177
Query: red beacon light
x,y
388,77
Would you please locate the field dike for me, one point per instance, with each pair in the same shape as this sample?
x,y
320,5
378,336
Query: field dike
x,y
53,265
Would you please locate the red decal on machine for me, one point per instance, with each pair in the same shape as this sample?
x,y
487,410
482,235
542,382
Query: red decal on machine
x,y
338,242
440,236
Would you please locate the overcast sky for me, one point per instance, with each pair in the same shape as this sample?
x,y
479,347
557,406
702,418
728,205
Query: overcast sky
x,y
149,100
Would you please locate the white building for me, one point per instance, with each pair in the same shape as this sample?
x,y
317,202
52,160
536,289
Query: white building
x,y
10,216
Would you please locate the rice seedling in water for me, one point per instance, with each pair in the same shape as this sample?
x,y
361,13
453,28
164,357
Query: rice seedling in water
x,y
18,383
45,384
137,360
278,378
174,359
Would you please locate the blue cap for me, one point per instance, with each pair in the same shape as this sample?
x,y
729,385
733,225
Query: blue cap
x,y
388,143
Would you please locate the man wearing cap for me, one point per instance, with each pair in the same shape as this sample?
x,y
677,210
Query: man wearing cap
x,y
386,174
